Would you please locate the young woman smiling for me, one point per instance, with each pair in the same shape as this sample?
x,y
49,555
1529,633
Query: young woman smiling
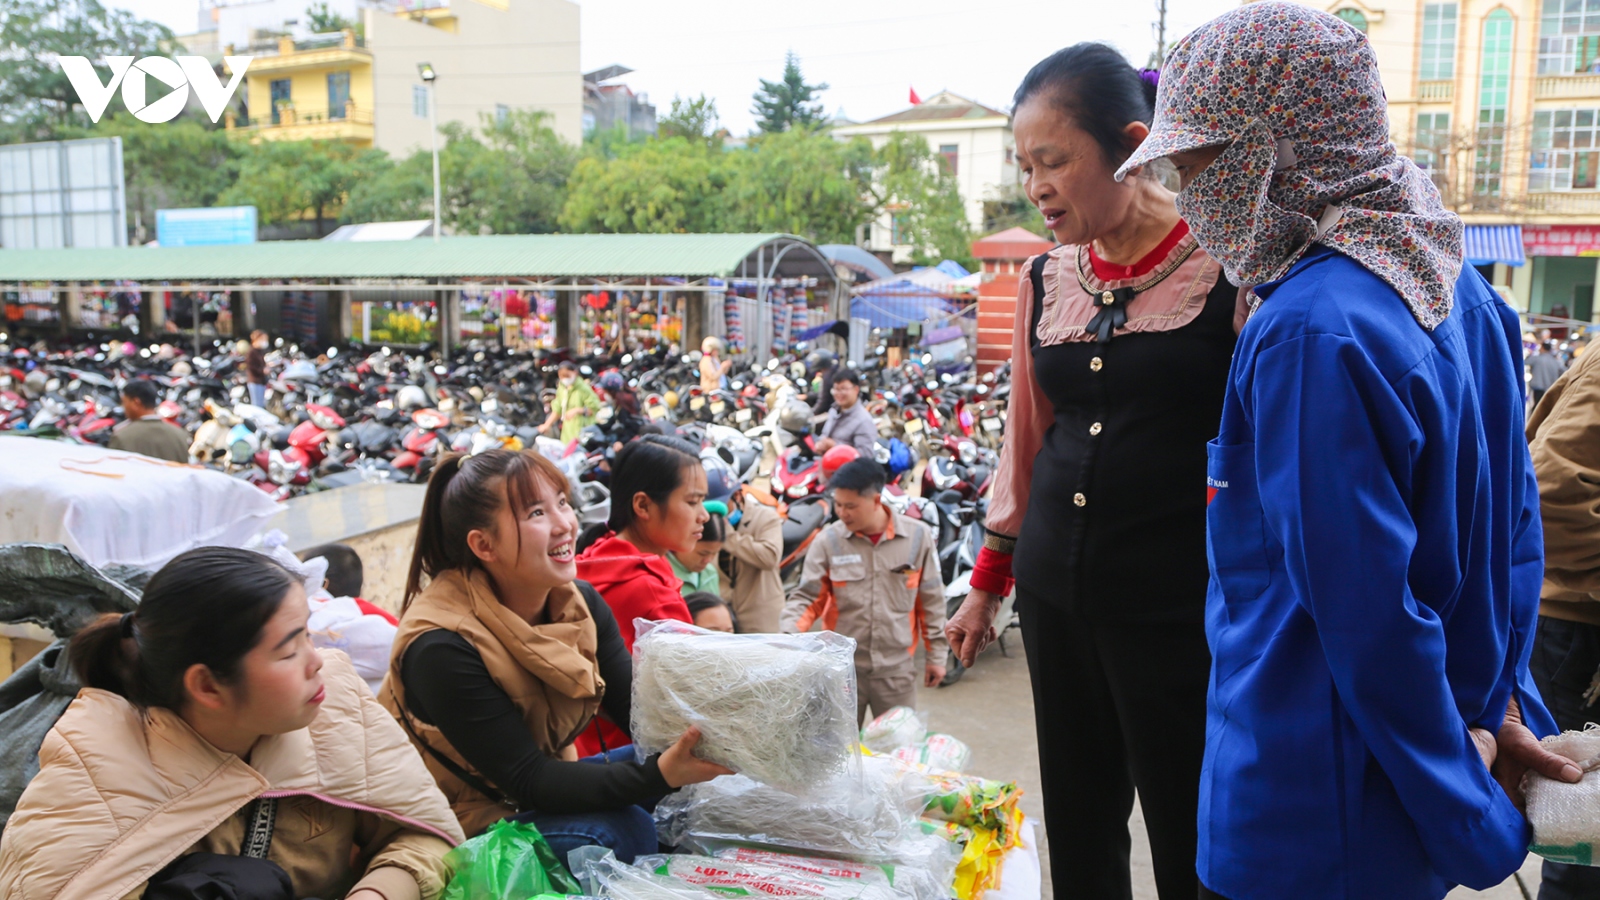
x,y
503,659
209,717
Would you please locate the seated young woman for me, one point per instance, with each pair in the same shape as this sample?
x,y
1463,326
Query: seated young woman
x,y
214,746
503,658
658,492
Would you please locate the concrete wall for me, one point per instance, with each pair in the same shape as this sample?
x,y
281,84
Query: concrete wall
x,y
525,55
1554,280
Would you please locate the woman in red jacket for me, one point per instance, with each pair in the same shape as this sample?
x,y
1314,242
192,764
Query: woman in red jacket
x,y
658,492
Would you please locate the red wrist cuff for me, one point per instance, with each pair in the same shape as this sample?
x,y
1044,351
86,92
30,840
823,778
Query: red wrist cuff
x,y
992,571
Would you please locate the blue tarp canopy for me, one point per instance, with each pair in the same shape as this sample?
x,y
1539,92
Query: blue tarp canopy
x,y
1486,244
915,296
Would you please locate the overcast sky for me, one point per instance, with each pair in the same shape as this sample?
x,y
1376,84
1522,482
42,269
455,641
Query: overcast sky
x,y
868,53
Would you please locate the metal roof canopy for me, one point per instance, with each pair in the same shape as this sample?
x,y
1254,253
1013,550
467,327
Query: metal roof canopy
x,y
539,257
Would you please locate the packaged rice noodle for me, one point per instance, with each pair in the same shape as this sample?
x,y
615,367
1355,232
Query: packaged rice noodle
x,y
897,728
939,752
755,877
972,801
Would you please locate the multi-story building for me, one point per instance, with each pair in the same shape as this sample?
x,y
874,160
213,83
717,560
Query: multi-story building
x,y
974,142
1500,101
606,105
362,84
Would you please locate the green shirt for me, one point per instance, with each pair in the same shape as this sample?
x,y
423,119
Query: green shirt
x,y
579,396
704,580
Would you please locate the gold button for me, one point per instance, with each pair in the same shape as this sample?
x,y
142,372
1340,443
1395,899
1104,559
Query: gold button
x,y
1094,429
1079,500
1095,364
1108,298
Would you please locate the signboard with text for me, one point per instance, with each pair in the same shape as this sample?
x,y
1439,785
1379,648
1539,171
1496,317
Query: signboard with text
x,y
208,226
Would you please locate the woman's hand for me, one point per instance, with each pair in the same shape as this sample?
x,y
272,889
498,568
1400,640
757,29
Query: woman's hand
x,y
971,629
679,766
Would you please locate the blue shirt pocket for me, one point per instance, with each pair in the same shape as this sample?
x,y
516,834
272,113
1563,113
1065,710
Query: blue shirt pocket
x,y
1236,542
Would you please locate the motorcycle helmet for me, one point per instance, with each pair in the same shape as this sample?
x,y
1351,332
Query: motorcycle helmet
x,y
836,457
820,361
181,369
610,382
671,399
34,384
795,416
712,344
720,480
411,397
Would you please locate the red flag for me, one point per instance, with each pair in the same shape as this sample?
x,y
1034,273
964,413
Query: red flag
x,y
914,98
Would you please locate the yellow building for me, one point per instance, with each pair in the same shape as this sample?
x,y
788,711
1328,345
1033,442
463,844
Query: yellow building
x,y
491,56
1500,101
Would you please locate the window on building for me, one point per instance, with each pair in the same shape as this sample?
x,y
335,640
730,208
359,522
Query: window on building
x,y
1566,150
1355,17
1438,42
951,154
502,112
280,96
1432,151
1494,101
1569,37
899,229
338,94
419,101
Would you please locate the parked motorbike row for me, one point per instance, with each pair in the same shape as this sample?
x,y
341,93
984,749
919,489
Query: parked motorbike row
x,y
386,414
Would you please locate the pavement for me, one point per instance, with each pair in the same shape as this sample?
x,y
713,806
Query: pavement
x,y
991,709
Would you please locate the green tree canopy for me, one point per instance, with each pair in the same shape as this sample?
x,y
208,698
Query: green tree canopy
x,y
290,181
511,180
912,185
801,182
182,163
321,19
785,104
36,99
694,119
660,187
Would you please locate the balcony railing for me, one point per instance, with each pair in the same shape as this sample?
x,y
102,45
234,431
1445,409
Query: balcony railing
x,y
292,115
1565,203
1566,87
1436,91
284,45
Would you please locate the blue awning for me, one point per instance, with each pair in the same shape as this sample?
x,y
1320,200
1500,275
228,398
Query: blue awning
x,y
1486,244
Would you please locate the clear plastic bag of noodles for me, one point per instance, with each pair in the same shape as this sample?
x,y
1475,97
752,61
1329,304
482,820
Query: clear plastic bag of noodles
x,y
777,708
870,819
603,875
1566,817
762,877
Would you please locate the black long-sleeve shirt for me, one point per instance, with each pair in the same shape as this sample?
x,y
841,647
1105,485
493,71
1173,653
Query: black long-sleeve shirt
x,y
448,686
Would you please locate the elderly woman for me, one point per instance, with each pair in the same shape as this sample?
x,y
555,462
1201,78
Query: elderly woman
x,y
1373,524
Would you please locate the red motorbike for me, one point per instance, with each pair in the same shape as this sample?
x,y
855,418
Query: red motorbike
x,y
798,471
422,439
309,441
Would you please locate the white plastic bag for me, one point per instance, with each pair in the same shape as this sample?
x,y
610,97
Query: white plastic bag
x,y
939,752
777,708
1566,817
899,727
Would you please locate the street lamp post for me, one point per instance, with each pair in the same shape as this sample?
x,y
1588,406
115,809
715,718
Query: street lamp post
x,y
428,76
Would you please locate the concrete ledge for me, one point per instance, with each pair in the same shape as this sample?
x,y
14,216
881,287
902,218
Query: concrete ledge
x,y
347,513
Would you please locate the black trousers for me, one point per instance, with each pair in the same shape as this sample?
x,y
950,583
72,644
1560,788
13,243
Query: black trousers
x,y
1565,658
1117,708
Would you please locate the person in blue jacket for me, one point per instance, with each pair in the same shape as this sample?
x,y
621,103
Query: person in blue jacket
x,y
1372,528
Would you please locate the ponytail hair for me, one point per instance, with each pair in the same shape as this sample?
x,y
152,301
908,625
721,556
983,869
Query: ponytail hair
x,y
206,607
465,494
653,465
716,527
1096,88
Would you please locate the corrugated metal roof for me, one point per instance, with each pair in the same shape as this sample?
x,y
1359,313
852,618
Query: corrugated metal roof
x,y
507,256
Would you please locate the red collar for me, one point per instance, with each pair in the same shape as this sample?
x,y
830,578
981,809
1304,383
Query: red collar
x,y
1112,272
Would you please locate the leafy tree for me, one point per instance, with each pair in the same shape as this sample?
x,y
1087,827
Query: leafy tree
x,y
36,99
781,105
510,181
912,185
610,143
183,163
660,187
291,181
802,182
694,120
1012,208
321,19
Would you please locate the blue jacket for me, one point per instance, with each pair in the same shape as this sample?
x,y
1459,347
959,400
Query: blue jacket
x,y
1375,549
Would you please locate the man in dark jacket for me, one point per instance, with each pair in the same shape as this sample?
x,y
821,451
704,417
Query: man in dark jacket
x,y
1544,367
848,421
145,432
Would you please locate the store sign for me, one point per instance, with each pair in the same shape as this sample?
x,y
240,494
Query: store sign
x,y
180,74
1561,240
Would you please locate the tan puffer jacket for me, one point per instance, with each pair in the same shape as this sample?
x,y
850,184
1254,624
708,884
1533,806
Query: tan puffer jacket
x,y
120,794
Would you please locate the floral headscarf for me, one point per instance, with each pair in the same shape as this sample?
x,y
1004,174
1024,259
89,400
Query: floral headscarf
x,y
1296,93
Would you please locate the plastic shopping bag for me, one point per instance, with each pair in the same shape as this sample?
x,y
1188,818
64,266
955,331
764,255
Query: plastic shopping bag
x,y
510,861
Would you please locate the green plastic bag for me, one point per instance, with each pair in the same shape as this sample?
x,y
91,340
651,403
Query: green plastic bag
x,y
510,861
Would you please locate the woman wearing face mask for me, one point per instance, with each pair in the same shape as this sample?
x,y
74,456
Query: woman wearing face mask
x,y
503,658
1120,356
574,405
213,737
1374,522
